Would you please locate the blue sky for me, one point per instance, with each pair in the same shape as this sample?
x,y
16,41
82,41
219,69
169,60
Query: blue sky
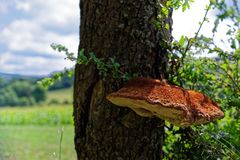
x,y
28,27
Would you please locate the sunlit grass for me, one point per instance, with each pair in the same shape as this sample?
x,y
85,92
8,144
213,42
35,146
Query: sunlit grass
x,y
43,115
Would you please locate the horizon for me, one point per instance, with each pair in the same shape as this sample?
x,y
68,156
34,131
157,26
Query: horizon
x,y
29,75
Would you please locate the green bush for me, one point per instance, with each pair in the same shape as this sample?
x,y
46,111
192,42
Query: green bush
x,y
201,64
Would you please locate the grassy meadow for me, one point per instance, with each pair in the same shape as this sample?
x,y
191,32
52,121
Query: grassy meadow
x,y
27,142
62,96
33,133
38,115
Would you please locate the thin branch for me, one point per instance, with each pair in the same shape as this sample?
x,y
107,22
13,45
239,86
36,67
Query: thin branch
x,y
189,44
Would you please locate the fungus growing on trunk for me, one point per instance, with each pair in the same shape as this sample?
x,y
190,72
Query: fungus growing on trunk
x,y
152,97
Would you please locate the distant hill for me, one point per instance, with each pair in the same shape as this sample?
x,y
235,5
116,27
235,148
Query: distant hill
x,y
8,76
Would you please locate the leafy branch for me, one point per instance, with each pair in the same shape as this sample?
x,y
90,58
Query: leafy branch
x,y
105,67
49,81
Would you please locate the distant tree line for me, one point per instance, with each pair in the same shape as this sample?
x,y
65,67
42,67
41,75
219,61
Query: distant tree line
x,y
20,93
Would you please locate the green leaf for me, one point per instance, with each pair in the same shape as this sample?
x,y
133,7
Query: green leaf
x,y
165,11
212,1
181,41
167,26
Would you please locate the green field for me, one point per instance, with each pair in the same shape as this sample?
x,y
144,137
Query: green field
x,y
32,133
26,142
41,115
60,96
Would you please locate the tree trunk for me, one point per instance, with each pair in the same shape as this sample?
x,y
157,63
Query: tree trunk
x,y
122,29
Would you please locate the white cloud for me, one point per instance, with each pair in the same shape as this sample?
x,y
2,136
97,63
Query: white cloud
x,y
33,34
13,63
23,6
23,35
3,7
187,23
45,23
57,13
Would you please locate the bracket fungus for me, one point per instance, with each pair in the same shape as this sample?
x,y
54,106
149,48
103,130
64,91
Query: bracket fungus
x,y
151,97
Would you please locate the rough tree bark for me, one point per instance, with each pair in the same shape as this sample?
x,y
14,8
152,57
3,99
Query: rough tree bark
x,y
122,29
